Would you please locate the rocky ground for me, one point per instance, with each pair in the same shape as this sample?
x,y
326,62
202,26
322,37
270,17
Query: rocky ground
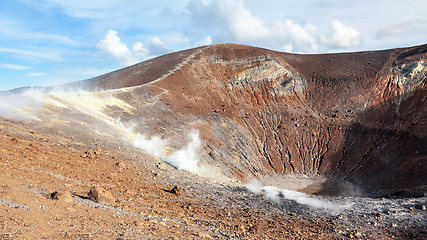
x,y
138,199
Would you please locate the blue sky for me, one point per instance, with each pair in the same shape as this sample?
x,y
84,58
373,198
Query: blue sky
x,y
49,42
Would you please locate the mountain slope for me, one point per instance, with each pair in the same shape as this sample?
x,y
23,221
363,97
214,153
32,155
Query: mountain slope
x,y
358,117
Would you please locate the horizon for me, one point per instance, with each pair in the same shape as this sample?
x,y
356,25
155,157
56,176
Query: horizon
x,y
54,42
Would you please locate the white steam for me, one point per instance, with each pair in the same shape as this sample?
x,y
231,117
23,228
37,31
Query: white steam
x,y
305,199
24,106
254,186
272,193
155,145
186,158
276,194
30,105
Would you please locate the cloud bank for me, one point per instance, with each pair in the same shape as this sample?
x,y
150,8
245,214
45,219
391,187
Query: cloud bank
x,y
230,20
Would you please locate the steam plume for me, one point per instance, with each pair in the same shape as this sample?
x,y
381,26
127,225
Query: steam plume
x,y
186,158
24,106
155,145
275,194
28,104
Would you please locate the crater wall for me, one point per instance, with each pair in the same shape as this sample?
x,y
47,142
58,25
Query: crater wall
x,y
359,117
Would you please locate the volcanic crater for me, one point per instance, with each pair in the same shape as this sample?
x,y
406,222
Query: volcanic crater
x,y
344,125
353,117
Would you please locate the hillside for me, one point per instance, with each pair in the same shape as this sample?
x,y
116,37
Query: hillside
x,y
354,116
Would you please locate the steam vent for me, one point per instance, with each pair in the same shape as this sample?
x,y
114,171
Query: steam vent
x,y
353,117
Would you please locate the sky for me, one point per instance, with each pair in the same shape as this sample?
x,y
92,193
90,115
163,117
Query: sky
x,y
51,42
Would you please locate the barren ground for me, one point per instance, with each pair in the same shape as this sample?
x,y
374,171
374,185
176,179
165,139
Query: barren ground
x,y
34,164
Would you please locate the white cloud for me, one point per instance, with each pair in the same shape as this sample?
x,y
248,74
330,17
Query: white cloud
x,y
231,17
83,8
138,53
309,39
113,46
14,67
342,36
206,41
20,30
240,21
156,41
402,29
51,54
36,74
231,21
156,46
296,37
176,39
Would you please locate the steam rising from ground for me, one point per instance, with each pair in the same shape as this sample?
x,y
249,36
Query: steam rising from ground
x,y
155,145
186,158
24,106
30,104
276,194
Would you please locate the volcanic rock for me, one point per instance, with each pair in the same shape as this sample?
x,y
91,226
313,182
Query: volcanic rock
x,y
121,164
100,195
63,196
177,190
421,207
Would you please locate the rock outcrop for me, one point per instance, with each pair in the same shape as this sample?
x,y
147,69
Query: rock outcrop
x,y
100,195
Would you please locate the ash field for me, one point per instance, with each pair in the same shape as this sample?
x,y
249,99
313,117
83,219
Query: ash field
x,y
222,142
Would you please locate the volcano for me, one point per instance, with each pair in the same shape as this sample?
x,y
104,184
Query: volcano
x,y
358,117
345,124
